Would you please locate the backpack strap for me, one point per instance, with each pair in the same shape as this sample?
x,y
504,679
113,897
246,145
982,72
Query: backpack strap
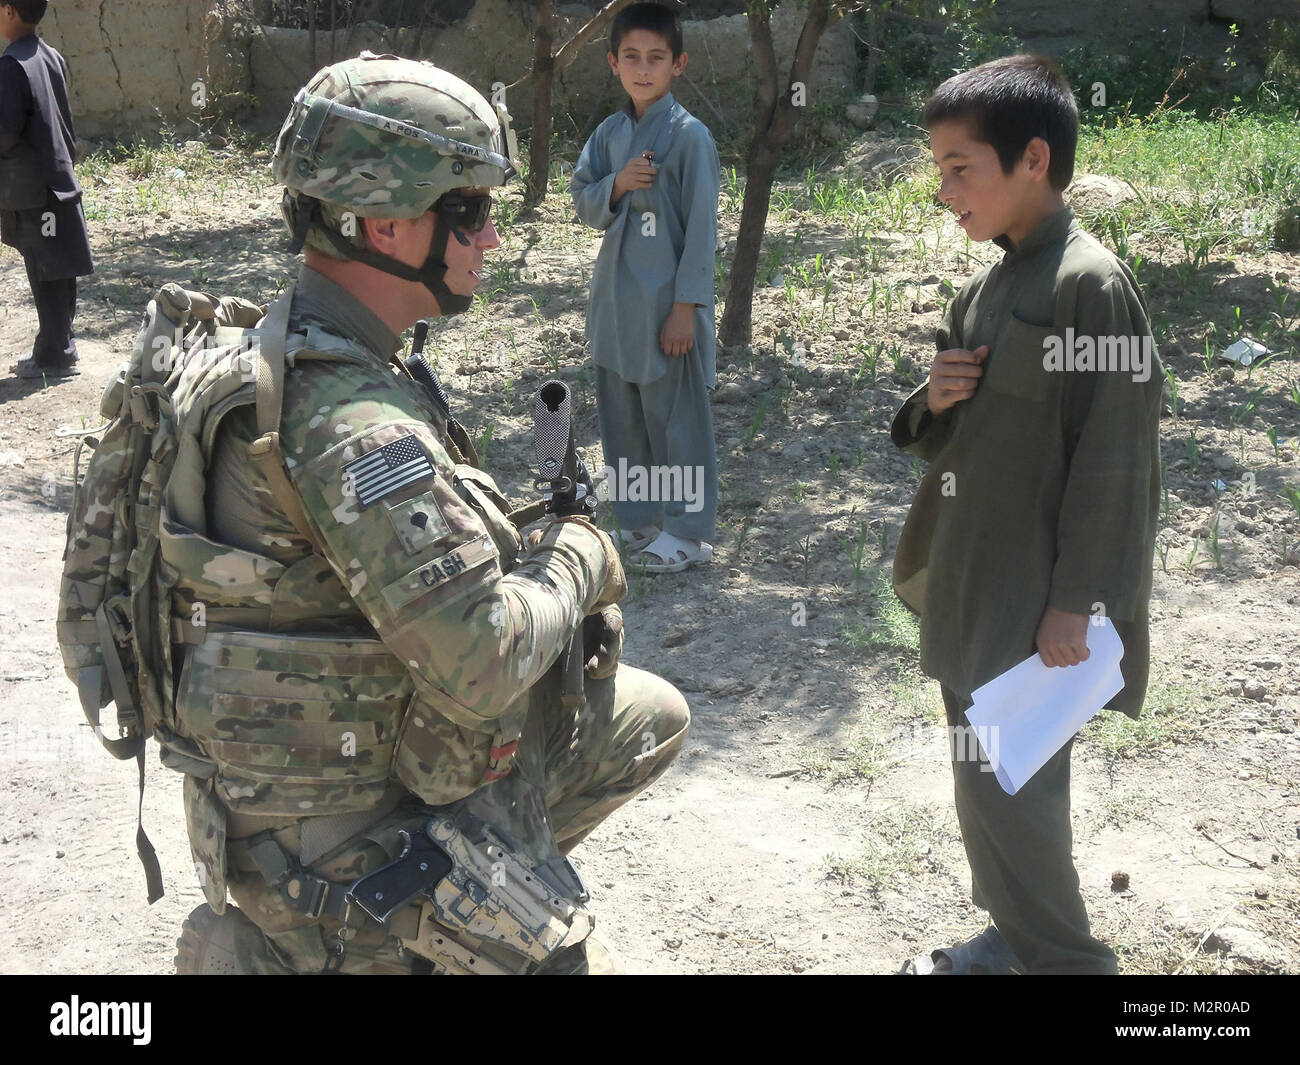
x,y
265,450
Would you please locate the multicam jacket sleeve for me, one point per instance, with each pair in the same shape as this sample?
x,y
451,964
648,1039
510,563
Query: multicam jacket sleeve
x,y
417,558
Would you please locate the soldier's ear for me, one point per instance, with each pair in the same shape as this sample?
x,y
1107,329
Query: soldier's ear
x,y
381,234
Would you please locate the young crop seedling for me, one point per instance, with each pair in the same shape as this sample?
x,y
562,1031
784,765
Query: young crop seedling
x,y
856,550
1163,543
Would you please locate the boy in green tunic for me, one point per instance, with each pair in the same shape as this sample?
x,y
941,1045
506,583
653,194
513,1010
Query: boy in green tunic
x,y
1038,511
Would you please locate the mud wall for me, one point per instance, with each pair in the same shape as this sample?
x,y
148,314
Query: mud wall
x,y
126,59
133,62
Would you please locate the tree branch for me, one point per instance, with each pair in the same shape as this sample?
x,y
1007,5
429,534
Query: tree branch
x,y
760,32
602,18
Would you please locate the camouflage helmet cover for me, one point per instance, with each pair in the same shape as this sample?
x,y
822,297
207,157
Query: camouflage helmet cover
x,y
385,137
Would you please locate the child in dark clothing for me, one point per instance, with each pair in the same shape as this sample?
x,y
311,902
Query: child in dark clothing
x,y
1038,510
40,199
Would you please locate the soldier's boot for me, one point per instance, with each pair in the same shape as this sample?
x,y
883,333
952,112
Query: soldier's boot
x,y
228,944
589,958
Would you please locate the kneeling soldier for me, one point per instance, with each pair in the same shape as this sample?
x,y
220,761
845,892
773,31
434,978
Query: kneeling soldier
x,y
382,769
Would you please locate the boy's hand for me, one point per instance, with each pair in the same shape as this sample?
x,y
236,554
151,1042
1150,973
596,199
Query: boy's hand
x,y
954,375
677,335
639,173
1062,638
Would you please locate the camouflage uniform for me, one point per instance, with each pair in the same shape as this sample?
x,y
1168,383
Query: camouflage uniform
x,y
403,662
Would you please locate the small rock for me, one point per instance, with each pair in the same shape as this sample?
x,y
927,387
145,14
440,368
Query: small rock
x,y
58,854
1246,944
1261,891
1094,192
1223,462
676,636
235,102
1119,880
1243,774
1267,663
673,943
1253,690
862,112
731,392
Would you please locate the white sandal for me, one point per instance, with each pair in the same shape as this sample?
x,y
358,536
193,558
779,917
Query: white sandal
x,y
637,539
674,554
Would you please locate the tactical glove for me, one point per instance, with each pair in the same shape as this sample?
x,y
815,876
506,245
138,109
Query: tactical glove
x,y
602,642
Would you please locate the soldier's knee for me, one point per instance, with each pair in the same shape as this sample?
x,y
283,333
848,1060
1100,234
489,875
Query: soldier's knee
x,y
671,714
227,944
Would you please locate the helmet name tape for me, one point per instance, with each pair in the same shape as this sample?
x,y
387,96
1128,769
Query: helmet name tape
x,y
310,133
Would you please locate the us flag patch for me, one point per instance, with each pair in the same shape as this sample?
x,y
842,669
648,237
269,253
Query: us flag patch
x,y
387,469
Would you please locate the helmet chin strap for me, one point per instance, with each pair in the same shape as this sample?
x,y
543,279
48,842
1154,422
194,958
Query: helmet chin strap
x,y
431,274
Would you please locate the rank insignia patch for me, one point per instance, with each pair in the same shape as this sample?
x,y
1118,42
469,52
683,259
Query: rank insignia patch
x,y
387,469
419,522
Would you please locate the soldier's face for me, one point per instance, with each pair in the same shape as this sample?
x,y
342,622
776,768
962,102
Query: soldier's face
x,y
465,262
412,240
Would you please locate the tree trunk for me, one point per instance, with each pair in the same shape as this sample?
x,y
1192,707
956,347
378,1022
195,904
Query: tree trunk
x,y
737,325
539,153
774,118
545,64
311,34
874,19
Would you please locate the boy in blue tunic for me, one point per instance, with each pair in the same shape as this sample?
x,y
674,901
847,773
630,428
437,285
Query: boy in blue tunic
x,y
649,178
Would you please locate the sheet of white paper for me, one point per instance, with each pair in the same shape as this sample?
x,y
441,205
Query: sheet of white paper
x,y
1027,714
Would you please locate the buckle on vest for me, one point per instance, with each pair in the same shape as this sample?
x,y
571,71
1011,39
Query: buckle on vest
x,y
309,896
144,408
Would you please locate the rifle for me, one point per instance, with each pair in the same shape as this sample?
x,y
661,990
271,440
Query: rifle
x,y
566,489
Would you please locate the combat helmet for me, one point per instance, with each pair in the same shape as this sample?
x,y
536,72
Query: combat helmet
x,y
382,137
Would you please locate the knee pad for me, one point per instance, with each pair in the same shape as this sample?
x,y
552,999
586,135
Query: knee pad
x,y
224,945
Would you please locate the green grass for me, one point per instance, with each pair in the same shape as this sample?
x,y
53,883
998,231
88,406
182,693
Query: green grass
x,y
863,758
891,627
1119,810
916,698
1207,186
901,842
1165,720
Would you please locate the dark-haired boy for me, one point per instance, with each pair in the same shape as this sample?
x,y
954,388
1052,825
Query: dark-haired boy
x,y
648,177
40,199
1039,506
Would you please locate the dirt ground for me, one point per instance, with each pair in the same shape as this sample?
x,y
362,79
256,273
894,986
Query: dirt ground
x,y
808,826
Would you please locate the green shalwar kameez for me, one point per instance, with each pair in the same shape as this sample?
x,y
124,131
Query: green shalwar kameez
x,y
1042,490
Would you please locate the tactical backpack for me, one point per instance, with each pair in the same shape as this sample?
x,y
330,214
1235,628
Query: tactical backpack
x,y
114,616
